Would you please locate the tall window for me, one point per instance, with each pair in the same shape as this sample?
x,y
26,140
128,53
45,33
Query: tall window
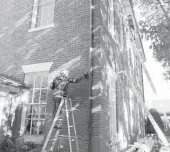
x,y
131,113
43,13
112,104
35,109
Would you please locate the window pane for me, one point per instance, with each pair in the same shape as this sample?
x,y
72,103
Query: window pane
x,y
35,111
45,14
36,96
41,127
34,127
44,81
30,98
32,112
42,111
29,79
39,10
50,15
27,126
37,81
43,95
29,112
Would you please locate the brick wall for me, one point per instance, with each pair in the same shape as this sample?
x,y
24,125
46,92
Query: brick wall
x,y
67,45
112,51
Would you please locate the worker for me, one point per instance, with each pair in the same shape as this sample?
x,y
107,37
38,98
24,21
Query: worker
x,y
60,85
130,22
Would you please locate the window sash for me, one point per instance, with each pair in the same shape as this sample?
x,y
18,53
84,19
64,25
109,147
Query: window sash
x,y
41,106
112,107
41,18
45,3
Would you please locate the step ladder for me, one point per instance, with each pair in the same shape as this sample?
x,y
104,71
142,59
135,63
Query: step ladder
x,y
64,109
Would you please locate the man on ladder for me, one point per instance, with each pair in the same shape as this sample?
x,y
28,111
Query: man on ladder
x,y
60,85
62,108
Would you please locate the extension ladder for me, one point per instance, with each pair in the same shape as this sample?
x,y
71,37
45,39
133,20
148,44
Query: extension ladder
x,y
141,102
64,109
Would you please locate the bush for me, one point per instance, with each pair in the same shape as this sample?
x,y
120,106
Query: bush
x,y
8,146
149,127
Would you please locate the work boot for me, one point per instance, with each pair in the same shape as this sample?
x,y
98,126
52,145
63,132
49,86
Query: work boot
x,y
57,127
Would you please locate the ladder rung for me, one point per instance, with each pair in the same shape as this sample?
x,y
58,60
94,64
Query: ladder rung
x,y
57,129
61,114
67,110
65,136
48,150
52,139
71,110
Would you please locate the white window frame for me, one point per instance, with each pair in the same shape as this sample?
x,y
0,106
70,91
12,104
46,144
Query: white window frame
x,y
34,18
28,69
39,104
112,104
131,113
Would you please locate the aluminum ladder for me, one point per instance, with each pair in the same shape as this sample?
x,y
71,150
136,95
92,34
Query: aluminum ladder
x,y
64,109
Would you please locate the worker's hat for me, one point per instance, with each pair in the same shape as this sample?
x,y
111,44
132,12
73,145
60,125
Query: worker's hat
x,y
64,72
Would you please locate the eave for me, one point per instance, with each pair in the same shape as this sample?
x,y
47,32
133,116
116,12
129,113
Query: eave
x,y
10,85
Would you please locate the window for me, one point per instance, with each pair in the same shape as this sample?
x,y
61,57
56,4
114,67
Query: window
x,y
131,112
43,13
130,58
112,105
35,109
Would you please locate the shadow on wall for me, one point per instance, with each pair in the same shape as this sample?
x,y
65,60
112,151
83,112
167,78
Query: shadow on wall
x,y
1,117
130,132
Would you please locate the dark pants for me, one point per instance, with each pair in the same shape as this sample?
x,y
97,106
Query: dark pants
x,y
57,102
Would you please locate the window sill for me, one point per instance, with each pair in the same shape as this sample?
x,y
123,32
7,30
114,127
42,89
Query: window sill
x,y
36,139
41,28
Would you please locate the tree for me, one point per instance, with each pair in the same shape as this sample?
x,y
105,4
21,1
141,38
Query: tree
x,y
155,26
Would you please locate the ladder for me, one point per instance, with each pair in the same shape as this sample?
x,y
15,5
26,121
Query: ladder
x,y
141,102
64,109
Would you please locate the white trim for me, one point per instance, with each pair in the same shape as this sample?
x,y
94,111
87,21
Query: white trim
x,y
36,139
96,109
41,28
37,67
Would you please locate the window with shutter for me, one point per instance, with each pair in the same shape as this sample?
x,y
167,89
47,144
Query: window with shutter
x,y
43,14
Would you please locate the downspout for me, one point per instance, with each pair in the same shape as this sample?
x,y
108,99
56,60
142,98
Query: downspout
x,y
90,78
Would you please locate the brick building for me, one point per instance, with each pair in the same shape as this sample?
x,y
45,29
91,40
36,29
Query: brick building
x,y
38,38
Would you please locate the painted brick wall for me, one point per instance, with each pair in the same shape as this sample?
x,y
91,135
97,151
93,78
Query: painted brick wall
x,y
112,50
67,45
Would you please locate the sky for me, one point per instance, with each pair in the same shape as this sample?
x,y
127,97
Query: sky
x,y
161,100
